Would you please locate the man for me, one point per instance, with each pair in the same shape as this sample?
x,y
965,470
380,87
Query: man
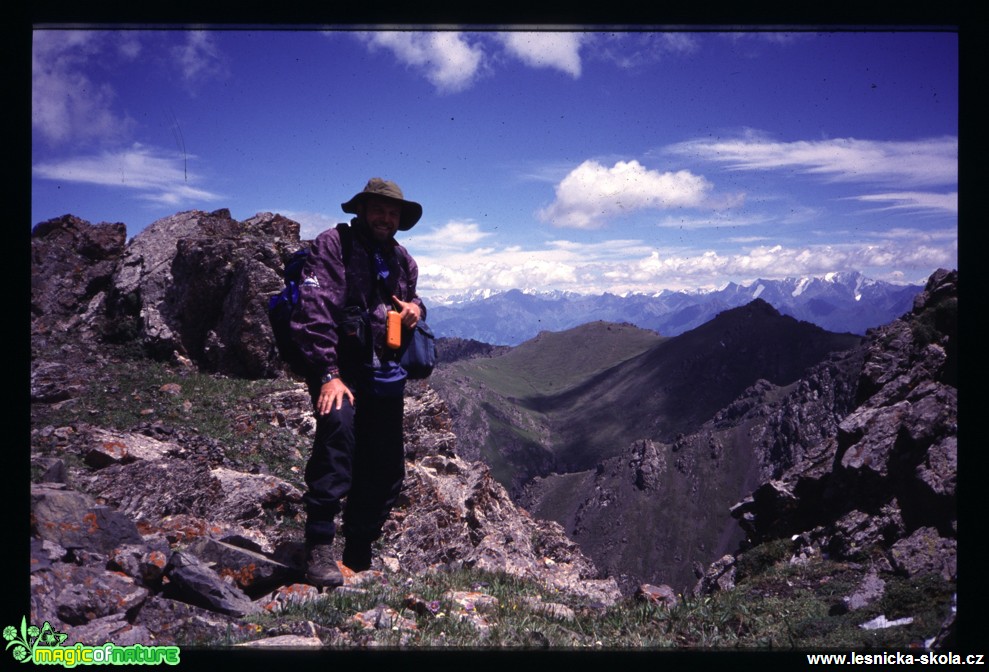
x,y
349,283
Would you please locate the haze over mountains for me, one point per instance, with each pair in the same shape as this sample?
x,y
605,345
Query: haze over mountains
x,y
837,302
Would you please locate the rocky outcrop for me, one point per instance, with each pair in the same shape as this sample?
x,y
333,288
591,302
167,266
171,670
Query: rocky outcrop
x,y
193,285
887,476
454,514
196,284
153,536
72,268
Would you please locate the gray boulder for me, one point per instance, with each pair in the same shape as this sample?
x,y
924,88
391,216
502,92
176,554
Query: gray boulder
x,y
192,581
195,284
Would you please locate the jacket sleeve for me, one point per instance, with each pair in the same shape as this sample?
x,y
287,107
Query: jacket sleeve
x,y
322,297
412,280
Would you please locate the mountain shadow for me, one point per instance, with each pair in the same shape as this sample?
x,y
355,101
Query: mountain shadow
x,y
676,386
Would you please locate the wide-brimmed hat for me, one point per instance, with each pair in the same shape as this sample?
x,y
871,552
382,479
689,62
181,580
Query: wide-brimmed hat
x,y
411,211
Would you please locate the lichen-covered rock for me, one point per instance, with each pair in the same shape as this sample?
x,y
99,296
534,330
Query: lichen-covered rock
x,y
454,514
195,283
72,263
192,581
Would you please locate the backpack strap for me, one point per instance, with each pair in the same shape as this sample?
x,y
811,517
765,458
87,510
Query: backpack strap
x,y
346,235
346,242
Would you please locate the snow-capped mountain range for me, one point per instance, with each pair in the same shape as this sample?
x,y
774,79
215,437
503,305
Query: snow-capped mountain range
x,y
838,302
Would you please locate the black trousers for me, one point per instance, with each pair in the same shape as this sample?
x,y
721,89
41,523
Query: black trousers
x,y
357,465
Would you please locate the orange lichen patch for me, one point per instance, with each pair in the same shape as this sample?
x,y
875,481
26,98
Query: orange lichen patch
x,y
243,576
116,448
292,594
157,558
145,528
182,527
90,519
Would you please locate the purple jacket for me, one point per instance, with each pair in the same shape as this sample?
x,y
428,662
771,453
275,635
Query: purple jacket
x,y
324,293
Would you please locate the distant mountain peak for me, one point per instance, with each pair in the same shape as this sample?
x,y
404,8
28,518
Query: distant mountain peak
x,y
755,307
841,302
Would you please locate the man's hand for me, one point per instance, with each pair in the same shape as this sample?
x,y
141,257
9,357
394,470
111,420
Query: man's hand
x,y
331,396
409,311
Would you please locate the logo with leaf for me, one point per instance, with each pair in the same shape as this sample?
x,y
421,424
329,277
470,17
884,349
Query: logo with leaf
x,y
29,637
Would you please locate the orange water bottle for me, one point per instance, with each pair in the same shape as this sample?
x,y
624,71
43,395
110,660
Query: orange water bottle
x,y
393,334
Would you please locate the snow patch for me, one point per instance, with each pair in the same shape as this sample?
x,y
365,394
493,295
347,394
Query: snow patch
x,y
881,622
801,286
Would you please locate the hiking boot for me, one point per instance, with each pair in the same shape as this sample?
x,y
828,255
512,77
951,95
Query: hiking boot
x,y
357,554
321,568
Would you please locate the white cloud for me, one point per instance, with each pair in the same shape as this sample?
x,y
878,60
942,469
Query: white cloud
x,y
945,235
593,193
446,59
557,50
711,269
492,269
621,266
198,58
159,178
450,235
914,200
714,221
453,61
635,49
72,104
931,161
558,264
68,106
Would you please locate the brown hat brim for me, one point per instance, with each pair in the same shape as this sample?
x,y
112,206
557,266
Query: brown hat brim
x,y
378,188
411,211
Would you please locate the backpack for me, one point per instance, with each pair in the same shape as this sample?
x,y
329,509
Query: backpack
x,y
281,305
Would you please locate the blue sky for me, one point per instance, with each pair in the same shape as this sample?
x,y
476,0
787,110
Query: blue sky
x,y
583,161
